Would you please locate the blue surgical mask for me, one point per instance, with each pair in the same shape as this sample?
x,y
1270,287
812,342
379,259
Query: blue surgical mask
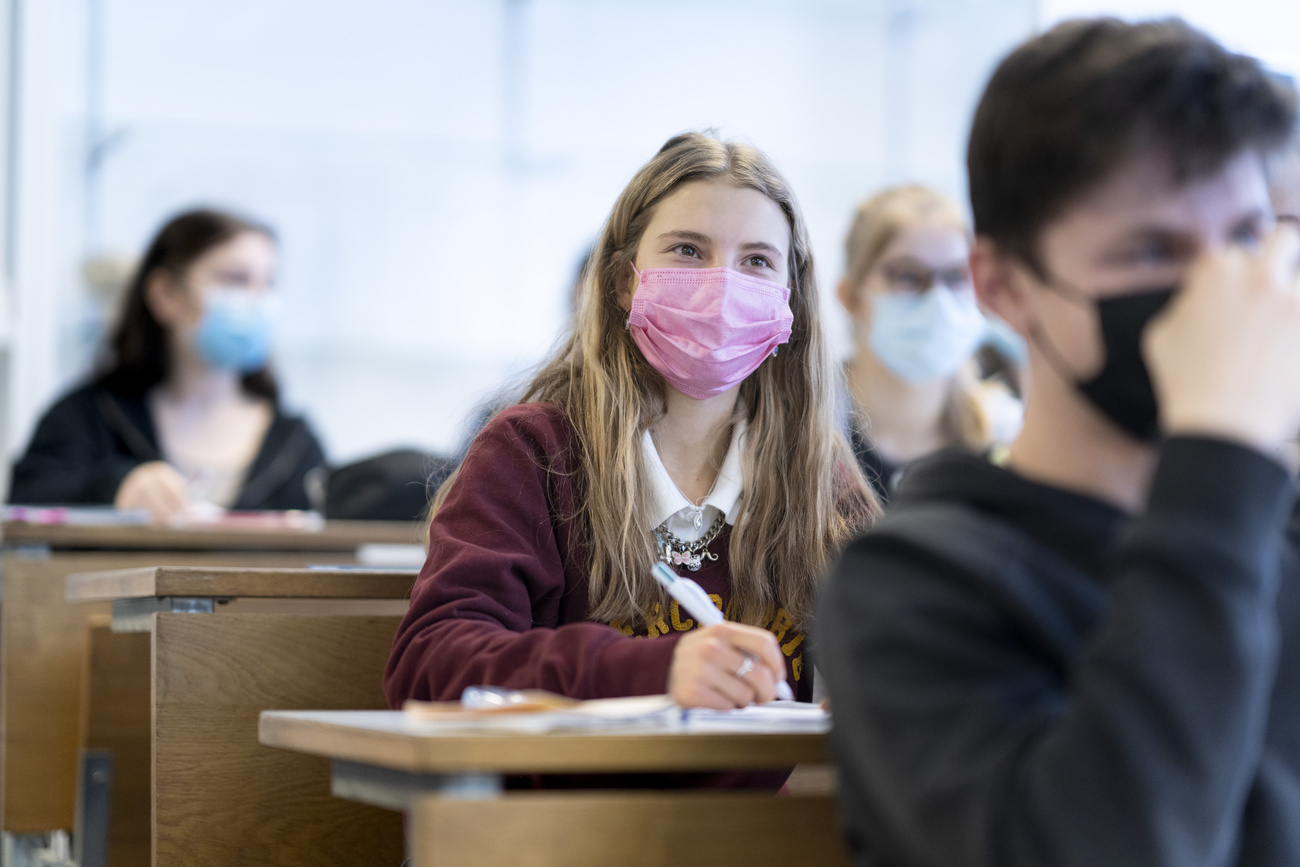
x,y
926,335
1006,342
234,332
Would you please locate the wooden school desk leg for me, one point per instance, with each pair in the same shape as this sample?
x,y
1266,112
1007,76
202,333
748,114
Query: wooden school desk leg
x,y
42,656
401,790
219,797
631,829
115,721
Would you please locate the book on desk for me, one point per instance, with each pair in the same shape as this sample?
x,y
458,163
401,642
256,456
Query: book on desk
x,y
538,712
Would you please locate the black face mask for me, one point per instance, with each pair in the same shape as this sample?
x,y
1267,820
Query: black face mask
x,y
1122,389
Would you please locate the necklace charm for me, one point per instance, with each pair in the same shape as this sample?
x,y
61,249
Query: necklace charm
x,y
698,520
684,558
692,555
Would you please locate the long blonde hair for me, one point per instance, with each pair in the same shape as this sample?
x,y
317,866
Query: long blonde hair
x,y
878,221
804,495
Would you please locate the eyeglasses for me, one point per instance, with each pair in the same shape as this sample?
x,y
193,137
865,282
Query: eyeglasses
x,y
913,277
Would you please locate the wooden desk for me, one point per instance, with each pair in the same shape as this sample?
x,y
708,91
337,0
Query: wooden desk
x,y
451,785
223,644
137,594
344,536
43,639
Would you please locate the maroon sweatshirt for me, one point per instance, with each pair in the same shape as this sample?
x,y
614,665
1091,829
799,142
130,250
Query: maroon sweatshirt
x,y
502,598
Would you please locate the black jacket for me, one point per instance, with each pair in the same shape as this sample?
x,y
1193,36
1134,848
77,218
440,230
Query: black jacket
x,y
883,474
1022,676
88,441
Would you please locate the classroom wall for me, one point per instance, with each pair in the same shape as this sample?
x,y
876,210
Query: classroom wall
x,y
33,270
437,168
1264,28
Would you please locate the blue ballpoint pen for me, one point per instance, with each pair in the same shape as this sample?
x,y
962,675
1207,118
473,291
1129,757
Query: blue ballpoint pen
x,y
697,603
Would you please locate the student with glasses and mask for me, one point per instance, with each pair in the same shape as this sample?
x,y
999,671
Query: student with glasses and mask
x,y
1089,652
184,408
913,381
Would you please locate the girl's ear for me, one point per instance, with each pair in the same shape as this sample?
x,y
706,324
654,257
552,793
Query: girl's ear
x,y
627,289
165,298
848,297
1000,285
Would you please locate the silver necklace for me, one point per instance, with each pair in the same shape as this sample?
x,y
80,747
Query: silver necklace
x,y
692,555
697,509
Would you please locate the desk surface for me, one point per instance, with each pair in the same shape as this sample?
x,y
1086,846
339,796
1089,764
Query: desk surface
x,y
239,581
387,739
334,536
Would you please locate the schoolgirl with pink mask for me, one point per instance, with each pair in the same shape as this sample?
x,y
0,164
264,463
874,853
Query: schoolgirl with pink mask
x,y
688,418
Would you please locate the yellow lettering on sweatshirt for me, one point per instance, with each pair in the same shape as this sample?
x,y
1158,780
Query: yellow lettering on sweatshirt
x,y
680,625
781,623
655,622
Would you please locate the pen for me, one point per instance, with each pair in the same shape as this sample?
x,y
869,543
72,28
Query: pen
x,y
698,604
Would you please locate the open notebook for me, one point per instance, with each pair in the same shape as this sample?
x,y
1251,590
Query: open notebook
x,y
539,712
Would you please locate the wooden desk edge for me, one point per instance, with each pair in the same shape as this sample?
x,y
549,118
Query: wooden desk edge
x,y
109,584
238,582
517,754
336,536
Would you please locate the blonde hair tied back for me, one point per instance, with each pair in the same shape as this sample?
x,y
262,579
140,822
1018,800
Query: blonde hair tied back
x,y
877,222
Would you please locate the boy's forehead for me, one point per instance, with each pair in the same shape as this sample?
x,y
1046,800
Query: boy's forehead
x,y
1146,192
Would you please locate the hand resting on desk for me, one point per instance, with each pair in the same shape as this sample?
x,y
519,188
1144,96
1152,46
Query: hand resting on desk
x,y
156,486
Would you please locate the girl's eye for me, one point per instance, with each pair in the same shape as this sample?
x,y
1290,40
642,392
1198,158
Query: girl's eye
x,y
908,280
1151,254
758,262
234,278
954,278
686,250
1248,236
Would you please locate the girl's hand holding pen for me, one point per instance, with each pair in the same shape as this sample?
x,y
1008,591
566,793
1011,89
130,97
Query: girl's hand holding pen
x,y
721,665
724,666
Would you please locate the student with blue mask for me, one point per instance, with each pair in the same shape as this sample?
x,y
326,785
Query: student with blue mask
x,y
184,408
913,381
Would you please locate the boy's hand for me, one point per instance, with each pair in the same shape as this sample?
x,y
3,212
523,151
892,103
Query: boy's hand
x,y
1225,355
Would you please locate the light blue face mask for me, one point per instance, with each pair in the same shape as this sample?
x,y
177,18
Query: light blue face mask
x,y
1008,343
927,335
235,329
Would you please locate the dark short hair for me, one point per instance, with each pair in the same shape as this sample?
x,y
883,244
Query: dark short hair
x,y
1066,108
138,356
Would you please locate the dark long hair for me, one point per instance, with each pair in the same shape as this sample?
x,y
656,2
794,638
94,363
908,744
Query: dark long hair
x,y
138,355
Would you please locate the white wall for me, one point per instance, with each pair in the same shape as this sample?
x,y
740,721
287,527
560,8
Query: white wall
x,y
436,168
6,198
39,164
1267,29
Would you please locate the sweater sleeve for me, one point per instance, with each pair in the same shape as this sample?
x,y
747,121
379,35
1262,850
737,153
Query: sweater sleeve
x,y
490,605
962,744
65,463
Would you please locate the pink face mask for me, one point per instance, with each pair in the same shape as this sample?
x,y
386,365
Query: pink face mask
x,y
706,329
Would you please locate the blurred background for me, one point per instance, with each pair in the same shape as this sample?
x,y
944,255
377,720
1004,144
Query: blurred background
x,y
436,169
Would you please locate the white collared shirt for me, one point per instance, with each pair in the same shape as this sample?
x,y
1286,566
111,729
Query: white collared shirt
x,y
671,507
